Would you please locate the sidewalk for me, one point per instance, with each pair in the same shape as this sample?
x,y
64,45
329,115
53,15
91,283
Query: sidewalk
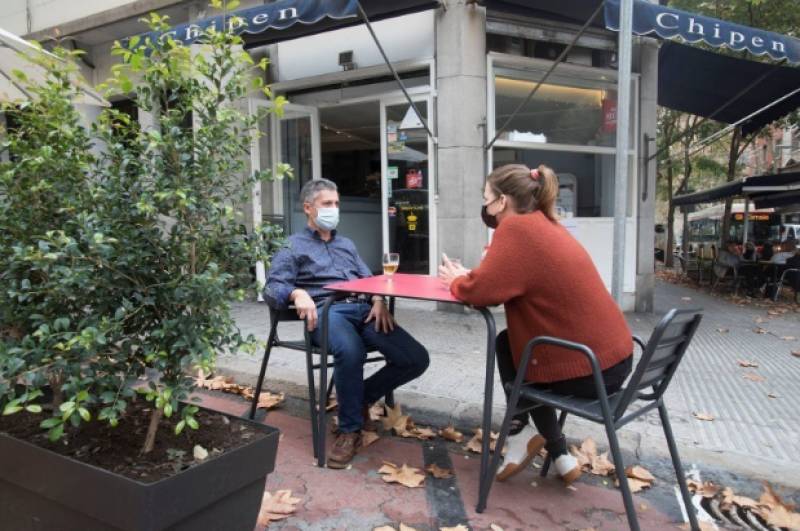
x,y
357,499
751,434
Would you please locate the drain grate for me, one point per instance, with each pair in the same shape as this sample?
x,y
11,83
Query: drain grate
x,y
735,517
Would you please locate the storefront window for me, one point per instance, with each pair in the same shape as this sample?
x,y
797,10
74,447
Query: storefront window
x,y
567,112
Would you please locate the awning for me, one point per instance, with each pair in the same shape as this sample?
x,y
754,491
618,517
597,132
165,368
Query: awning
x,y
764,190
700,82
289,19
670,23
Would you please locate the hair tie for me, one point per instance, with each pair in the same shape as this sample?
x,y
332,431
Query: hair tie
x,y
535,174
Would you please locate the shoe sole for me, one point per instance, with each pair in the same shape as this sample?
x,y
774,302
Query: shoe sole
x,y
570,477
535,445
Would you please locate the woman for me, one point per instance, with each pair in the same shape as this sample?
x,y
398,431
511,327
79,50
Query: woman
x,y
550,287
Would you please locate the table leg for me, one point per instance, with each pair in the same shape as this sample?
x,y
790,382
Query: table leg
x,y
491,335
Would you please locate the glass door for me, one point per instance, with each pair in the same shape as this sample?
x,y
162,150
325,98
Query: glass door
x,y
408,183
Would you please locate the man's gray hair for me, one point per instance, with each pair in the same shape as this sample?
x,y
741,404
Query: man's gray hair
x,y
310,190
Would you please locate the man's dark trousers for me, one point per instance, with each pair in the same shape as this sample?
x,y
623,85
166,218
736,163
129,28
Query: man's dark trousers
x,y
349,341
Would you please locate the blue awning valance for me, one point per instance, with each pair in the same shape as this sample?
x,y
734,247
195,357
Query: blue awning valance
x,y
670,23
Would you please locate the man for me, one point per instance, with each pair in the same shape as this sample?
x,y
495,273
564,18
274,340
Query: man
x,y
317,256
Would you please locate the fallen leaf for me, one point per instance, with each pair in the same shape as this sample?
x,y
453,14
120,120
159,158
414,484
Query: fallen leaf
x,y
332,404
199,453
384,528
267,400
405,475
707,489
495,527
419,432
753,377
788,338
773,395
438,472
723,330
395,420
759,330
276,507
450,433
796,353
376,411
635,485
745,363
729,499
475,444
703,416
640,473
590,460
368,437
404,527
459,527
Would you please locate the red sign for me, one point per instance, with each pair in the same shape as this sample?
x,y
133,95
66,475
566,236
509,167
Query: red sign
x,y
609,115
413,178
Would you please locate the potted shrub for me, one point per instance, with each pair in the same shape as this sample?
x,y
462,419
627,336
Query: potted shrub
x,y
118,271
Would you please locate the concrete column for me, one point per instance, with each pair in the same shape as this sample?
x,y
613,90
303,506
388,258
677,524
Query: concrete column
x,y
646,211
461,113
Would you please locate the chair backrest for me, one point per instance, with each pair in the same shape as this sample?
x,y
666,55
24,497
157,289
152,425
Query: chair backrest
x,y
661,357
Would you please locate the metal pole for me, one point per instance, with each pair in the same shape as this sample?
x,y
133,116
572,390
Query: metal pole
x,y
622,160
746,220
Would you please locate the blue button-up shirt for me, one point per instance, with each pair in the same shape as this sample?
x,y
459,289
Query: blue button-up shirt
x,y
309,263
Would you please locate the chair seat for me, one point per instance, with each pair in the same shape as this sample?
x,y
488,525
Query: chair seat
x,y
588,408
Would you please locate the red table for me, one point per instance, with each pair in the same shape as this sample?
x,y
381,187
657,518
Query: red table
x,y
419,287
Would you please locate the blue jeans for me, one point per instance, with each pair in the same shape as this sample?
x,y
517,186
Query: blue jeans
x,y
349,341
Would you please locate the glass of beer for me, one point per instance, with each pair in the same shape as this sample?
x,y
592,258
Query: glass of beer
x,y
391,261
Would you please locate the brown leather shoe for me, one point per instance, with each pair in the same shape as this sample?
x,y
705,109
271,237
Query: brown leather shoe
x,y
344,449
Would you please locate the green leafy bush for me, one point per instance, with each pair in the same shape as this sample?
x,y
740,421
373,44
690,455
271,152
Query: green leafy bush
x,y
124,264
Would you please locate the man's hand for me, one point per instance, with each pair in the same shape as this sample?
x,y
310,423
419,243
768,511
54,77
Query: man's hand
x,y
384,321
306,309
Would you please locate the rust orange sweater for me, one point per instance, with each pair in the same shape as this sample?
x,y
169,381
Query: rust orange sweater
x,y
549,286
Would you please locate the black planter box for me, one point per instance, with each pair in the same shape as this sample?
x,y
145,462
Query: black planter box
x,y
41,490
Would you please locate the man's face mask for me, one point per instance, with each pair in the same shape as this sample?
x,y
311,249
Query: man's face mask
x,y
327,218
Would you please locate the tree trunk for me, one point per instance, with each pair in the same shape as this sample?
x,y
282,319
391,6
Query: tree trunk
x,y
668,258
152,429
733,157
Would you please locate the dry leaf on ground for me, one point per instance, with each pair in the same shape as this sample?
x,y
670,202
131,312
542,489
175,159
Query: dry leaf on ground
x,y
788,338
707,489
199,453
384,528
590,460
772,395
495,527
759,330
395,420
636,485
729,499
267,400
404,527
459,527
640,473
332,404
723,330
405,475
475,444
775,511
796,353
753,377
368,437
277,507
745,363
376,411
703,416
450,433
438,472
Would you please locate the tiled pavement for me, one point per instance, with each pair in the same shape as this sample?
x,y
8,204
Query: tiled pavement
x,y
357,499
752,433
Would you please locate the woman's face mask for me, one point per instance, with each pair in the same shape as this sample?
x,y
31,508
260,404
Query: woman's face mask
x,y
489,219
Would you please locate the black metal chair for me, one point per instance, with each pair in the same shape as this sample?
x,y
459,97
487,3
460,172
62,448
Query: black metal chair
x,y
660,358
790,277
276,316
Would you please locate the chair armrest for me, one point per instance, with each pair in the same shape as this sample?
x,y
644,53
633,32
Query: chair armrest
x,y
640,342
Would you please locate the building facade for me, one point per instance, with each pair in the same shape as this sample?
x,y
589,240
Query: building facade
x,y
467,71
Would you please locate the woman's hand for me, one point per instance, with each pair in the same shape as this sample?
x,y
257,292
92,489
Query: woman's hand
x,y
450,271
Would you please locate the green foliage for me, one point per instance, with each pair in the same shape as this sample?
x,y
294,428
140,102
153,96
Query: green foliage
x,y
124,264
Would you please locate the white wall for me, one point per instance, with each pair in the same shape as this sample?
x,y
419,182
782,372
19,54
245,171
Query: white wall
x,y
45,14
403,38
